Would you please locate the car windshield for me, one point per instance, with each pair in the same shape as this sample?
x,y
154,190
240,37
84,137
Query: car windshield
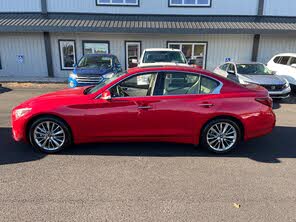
x,y
96,88
253,69
164,56
95,62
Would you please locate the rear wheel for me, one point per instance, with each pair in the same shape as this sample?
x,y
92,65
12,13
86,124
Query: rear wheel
x,y
221,135
49,135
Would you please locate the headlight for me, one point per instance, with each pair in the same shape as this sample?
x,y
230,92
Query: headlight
x,y
287,84
243,82
73,76
108,76
21,112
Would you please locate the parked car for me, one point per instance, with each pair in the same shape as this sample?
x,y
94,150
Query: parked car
x,y
159,56
177,104
93,69
285,65
256,73
196,62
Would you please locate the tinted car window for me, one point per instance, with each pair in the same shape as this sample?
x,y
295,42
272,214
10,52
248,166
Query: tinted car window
x,y
284,60
293,61
277,59
164,56
95,62
224,67
231,67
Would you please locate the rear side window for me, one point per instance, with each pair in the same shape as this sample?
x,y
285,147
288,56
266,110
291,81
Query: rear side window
x,y
176,83
208,85
293,60
284,60
277,59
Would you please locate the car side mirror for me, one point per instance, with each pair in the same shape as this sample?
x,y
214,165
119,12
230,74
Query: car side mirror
x,y
231,72
191,62
293,65
106,95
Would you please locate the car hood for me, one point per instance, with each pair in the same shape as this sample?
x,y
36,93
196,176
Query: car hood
x,y
263,79
59,97
95,71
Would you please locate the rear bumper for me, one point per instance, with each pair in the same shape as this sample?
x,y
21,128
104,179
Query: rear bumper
x,y
260,124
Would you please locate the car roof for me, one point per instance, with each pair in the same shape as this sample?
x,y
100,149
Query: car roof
x,y
162,49
286,54
173,68
247,63
97,54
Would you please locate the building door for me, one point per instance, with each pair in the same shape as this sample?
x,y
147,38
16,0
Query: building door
x,y
192,50
132,53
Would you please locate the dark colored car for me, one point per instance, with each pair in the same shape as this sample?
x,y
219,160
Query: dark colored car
x,y
93,69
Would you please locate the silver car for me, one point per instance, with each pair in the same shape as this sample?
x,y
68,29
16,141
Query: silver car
x,y
256,73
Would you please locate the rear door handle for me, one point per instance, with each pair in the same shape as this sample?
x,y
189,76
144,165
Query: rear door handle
x,y
206,105
145,107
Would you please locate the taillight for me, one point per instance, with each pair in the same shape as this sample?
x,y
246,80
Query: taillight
x,y
265,101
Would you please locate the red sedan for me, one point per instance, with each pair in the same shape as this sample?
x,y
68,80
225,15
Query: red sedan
x,y
159,104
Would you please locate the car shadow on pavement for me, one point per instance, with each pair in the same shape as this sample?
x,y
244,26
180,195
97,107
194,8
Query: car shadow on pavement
x,y
269,149
4,89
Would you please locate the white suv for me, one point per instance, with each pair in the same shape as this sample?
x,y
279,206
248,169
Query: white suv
x,y
164,57
285,65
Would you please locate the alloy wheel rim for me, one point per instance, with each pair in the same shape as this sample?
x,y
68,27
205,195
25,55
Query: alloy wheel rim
x,y
49,135
221,136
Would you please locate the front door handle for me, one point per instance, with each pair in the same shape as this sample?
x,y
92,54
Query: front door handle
x,y
145,107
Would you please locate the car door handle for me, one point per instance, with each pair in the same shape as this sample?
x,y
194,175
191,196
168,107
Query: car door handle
x,y
145,107
206,105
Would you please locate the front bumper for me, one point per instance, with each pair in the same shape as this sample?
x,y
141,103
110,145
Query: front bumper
x,y
280,94
84,81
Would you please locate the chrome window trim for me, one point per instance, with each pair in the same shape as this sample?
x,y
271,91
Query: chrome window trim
x,y
216,91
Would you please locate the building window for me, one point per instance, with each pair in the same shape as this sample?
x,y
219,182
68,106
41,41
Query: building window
x,y
190,3
132,53
118,2
67,54
95,47
192,50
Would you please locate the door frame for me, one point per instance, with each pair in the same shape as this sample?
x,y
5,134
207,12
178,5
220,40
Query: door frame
x,y
126,43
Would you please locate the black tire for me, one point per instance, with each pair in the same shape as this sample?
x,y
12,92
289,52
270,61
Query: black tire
x,y
204,141
67,133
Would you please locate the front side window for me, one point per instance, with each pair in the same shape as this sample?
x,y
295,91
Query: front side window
x,y
95,47
118,2
67,54
96,62
192,50
136,86
190,3
164,56
231,68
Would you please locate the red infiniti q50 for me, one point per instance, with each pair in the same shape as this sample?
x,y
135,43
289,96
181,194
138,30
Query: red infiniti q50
x,y
156,104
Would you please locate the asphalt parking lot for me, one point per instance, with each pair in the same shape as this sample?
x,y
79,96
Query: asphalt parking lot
x,y
148,182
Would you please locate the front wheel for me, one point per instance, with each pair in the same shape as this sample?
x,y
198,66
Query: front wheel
x,y
49,135
221,135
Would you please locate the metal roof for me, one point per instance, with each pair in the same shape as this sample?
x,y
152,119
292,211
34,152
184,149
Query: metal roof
x,y
66,22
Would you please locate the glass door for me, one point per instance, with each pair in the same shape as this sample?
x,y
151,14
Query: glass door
x,y
132,53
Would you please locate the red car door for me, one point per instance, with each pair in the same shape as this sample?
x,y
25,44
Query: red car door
x,y
121,117
181,104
